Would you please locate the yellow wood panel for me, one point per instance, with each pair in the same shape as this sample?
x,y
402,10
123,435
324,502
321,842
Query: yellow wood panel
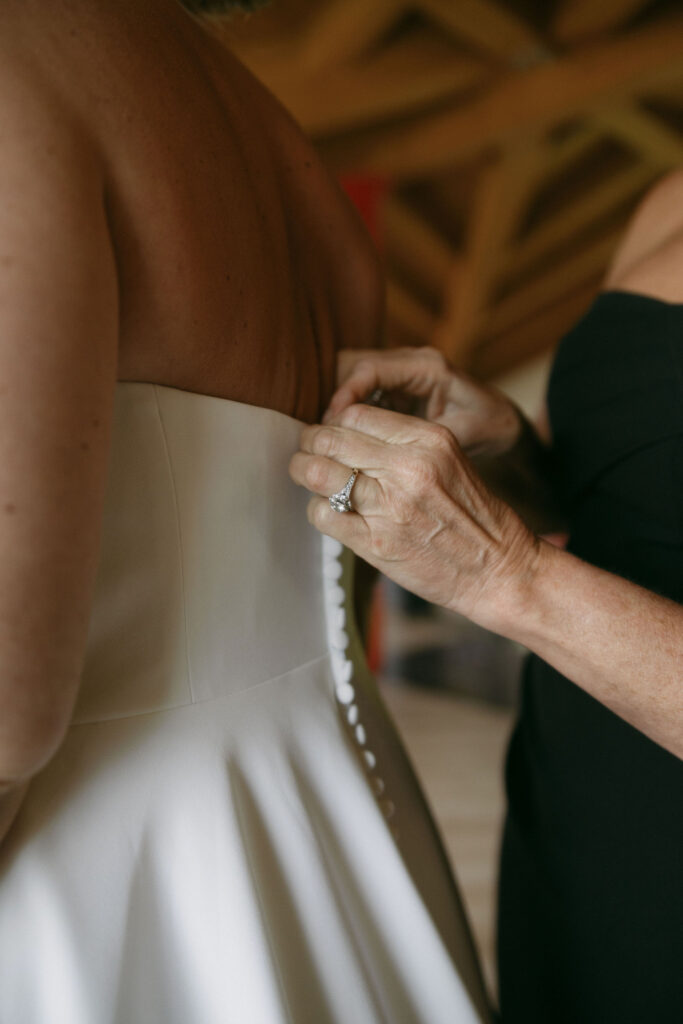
x,y
643,132
401,78
578,18
573,146
490,25
420,246
342,29
526,103
517,155
408,312
502,192
548,286
577,216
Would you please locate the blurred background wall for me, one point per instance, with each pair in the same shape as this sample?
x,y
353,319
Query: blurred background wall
x,y
496,149
513,138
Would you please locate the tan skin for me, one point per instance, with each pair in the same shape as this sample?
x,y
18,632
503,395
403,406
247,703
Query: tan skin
x,y
242,267
426,518
161,220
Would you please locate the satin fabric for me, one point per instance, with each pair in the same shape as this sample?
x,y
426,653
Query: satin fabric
x,y
230,832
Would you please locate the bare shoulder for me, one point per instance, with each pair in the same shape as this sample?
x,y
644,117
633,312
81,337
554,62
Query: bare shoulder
x,y
51,173
650,257
36,112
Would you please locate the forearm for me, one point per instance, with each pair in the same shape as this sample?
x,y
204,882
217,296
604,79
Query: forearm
x,y
11,796
522,477
621,643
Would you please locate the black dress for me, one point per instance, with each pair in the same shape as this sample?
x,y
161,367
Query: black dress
x,y
590,924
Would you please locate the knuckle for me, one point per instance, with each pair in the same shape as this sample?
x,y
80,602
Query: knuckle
x,y
365,367
324,441
433,355
353,416
422,473
428,475
430,472
407,353
441,439
403,506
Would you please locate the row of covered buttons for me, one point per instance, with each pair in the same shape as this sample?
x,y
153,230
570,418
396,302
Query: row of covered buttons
x,y
342,667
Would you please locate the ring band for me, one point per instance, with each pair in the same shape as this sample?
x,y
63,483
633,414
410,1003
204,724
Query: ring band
x,y
341,501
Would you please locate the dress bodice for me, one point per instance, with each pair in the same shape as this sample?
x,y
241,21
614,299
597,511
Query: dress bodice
x,y
209,573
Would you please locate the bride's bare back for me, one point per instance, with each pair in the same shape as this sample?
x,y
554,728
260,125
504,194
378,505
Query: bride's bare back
x,y
241,265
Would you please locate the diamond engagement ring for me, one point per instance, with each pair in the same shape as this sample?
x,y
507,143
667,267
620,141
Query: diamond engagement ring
x,y
341,501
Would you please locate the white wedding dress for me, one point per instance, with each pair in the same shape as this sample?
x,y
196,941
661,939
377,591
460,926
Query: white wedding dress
x,y
230,832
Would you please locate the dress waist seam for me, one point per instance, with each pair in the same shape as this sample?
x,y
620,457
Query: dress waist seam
x,y
119,715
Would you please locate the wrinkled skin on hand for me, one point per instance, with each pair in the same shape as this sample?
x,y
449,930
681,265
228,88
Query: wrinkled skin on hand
x,y
423,516
481,418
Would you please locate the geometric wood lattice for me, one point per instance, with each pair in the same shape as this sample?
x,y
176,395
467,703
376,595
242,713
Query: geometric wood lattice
x,y
516,138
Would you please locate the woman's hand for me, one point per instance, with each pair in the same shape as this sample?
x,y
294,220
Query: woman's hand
x,y
422,515
424,518
482,419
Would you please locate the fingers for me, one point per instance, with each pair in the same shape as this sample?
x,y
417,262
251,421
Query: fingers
x,y
415,371
362,381
350,529
368,437
325,477
347,446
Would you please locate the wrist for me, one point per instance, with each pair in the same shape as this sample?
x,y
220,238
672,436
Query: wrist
x,y
518,603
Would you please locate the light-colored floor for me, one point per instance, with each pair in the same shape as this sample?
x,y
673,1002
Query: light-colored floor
x,y
457,746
